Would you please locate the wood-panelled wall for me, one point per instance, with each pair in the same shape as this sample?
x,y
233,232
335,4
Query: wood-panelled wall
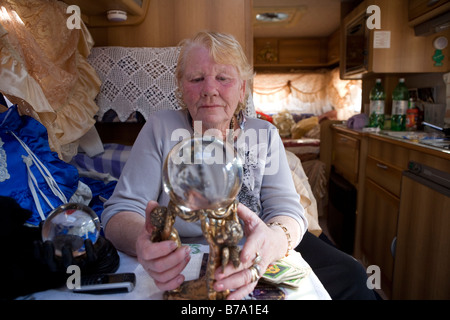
x,y
169,21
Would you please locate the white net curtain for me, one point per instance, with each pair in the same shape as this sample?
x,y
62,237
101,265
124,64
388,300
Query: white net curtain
x,y
313,92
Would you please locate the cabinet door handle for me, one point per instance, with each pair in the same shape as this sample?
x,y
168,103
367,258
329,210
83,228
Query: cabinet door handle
x,y
382,166
393,246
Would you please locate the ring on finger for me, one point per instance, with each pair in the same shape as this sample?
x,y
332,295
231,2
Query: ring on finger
x,y
255,271
258,269
257,259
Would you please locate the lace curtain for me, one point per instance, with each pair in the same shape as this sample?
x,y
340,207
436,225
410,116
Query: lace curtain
x,y
43,64
307,92
138,79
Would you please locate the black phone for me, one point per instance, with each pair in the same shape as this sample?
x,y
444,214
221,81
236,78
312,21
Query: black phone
x,y
107,283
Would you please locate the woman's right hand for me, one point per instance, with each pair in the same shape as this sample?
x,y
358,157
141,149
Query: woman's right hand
x,y
164,261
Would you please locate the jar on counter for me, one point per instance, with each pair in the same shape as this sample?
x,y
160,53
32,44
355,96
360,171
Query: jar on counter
x,y
412,115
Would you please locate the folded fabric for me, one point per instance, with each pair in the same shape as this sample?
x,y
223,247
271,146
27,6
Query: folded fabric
x,y
358,121
101,191
111,161
30,172
303,126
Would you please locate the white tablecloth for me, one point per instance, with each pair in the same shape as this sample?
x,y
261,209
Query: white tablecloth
x,y
310,287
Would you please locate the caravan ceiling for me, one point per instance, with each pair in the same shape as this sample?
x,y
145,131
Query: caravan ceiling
x,y
314,18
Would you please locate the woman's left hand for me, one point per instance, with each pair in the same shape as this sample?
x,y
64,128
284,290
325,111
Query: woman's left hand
x,y
263,243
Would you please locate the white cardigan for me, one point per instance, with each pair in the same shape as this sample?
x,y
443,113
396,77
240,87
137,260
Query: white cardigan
x,y
268,188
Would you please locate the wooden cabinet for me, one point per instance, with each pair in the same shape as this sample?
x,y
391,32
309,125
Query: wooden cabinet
x,y
265,51
296,52
343,185
345,156
384,174
426,8
303,51
404,52
378,231
423,241
401,226
334,47
384,165
422,260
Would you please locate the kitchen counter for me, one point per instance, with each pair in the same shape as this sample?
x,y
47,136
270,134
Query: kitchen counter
x,y
379,165
405,139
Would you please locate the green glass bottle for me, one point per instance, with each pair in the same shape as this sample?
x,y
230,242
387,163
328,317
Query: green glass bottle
x,y
377,99
400,98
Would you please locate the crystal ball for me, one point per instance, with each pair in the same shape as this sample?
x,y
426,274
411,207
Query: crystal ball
x,y
202,173
70,225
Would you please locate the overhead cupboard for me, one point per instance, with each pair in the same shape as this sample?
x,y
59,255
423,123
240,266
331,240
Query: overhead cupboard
x,y
420,11
392,46
297,52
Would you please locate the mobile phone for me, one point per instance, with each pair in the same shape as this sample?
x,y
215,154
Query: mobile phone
x,y
107,283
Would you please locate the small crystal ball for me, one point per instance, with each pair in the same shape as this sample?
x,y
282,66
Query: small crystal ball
x,y
70,225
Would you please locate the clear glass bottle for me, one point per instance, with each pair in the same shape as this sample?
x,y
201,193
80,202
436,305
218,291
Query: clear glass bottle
x,y
400,99
377,100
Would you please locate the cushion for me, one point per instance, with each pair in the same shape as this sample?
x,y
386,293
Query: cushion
x,y
111,161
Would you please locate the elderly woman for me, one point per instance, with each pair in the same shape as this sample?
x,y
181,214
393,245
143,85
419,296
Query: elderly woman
x,y
213,79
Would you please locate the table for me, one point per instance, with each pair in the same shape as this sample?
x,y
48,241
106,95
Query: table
x,y
310,288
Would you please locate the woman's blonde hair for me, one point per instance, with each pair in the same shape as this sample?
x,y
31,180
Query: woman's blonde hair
x,y
224,49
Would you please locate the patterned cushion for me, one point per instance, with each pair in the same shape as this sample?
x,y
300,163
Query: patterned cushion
x,y
137,79
111,161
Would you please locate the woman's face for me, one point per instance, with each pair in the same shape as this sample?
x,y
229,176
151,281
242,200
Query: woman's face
x,y
211,91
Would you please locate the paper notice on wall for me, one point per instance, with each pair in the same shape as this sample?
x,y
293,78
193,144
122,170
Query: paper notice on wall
x,y
447,108
381,39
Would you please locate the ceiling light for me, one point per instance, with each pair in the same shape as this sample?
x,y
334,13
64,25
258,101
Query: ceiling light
x,y
272,16
277,16
116,15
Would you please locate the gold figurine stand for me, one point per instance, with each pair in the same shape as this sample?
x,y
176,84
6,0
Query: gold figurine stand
x,y
222,230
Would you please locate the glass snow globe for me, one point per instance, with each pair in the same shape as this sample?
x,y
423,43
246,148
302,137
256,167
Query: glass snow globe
x,y
70,225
